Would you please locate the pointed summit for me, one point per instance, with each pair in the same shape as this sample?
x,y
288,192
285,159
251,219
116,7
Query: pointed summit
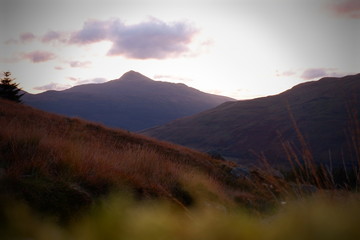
x,y
133,76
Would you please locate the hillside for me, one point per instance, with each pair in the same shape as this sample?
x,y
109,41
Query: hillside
x,y
65,178
318,119
60,165
132,102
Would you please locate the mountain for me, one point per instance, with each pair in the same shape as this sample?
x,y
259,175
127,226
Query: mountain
x,y
132,102
320,117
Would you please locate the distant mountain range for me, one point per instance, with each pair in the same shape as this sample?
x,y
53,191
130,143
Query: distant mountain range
x,y
132,102
320,116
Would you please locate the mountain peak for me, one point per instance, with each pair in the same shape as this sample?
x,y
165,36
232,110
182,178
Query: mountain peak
x,y
132,76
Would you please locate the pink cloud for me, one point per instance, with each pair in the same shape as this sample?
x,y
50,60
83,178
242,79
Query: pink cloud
x,y
92,80
349,8
92,31
73,79
315,73
39,56
176,78
53,86
53,36
152,39
285,73
27,37
78,64
87,81
58,68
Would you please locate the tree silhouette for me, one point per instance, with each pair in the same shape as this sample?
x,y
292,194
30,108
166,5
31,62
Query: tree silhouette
x,y
9,89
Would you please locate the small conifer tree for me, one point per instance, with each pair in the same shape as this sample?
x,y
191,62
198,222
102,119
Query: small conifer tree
x,y
9,89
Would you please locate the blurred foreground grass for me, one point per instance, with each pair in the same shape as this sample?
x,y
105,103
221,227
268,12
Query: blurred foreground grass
x,y
322,216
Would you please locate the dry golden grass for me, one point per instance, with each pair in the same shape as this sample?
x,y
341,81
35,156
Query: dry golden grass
x,y
59,166
55,154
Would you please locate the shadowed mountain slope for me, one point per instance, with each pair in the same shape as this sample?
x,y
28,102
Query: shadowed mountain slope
x,y
132,102
321,117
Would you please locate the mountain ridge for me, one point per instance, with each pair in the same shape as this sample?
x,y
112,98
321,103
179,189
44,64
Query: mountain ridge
x,y
132,102
238,129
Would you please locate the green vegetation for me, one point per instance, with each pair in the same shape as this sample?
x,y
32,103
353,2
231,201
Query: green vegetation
x,y
319,217
65,178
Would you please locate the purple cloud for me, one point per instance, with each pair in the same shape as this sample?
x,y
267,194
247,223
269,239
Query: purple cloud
x,y
92,31
93,80
177,78
39,56
27,37
58,68
53,86
349,8
285,73
73,79
314,73
78,64
53,36
152,39
86,81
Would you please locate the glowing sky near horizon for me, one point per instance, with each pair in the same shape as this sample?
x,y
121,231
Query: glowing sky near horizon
x,y
238,48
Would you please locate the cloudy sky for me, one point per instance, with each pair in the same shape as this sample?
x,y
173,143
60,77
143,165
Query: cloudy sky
x,y
239,48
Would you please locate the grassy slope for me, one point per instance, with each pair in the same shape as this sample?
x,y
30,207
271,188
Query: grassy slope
x,y
60,165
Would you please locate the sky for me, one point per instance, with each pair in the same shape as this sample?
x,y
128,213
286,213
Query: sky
x,y
238,48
